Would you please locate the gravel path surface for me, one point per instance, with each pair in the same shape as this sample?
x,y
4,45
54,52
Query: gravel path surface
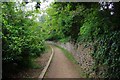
x,y
61,67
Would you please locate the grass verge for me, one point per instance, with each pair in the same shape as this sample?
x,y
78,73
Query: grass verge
x,y
67,54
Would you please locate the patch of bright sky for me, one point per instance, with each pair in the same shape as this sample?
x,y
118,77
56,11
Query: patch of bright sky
x,y
43,6
31,6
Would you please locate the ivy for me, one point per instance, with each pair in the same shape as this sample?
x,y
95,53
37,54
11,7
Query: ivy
x,y
107,54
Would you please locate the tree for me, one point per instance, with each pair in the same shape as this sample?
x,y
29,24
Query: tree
x,y
22,38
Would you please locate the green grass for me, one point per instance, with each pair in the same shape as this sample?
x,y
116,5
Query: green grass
x,y
68,54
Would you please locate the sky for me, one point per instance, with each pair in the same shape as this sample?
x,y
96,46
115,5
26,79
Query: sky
x,y
31,6
43,6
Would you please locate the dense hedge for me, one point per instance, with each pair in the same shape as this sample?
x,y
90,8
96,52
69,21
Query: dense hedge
x,y
21,37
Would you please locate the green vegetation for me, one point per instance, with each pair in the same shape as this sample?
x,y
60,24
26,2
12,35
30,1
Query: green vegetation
x,y
23,38
96,23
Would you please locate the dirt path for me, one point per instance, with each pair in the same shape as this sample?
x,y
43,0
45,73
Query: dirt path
x,y
61,67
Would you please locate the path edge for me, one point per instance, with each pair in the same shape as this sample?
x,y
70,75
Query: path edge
x,y
41,76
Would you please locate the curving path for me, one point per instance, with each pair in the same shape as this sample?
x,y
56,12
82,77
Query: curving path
x,y
61,67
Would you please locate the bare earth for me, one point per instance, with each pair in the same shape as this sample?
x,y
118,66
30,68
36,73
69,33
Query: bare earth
x,y
61,67
35,72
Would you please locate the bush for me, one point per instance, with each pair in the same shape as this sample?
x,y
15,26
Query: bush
x,y
21,37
